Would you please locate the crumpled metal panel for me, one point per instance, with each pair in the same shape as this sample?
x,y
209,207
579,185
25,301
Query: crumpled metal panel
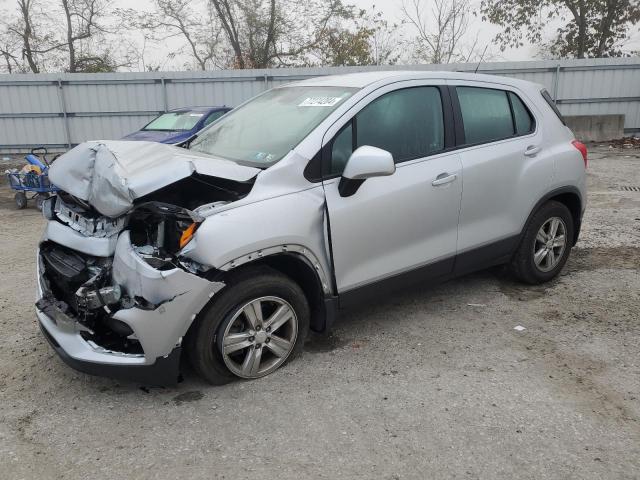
x,y
110,175
64,235
139,279
178,297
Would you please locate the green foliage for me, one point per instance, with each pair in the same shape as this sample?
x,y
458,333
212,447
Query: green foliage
x,y
589,28
359,38
96,64
345,48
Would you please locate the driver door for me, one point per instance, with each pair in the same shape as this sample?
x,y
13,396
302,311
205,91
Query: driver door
x,y
402,226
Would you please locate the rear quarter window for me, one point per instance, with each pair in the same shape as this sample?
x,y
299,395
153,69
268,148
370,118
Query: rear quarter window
x,y
522,118
552,104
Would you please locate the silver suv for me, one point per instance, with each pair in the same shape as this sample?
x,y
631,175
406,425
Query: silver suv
x,y
310,197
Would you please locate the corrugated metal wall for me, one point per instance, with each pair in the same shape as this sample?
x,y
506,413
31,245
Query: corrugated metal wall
x,y
58,110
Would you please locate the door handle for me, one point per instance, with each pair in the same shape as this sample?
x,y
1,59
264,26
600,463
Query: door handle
x,y
443,179
532,150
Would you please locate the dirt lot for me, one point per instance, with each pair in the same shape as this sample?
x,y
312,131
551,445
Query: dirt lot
x,y
429,384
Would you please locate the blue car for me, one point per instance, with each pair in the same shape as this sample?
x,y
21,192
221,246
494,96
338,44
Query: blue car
x,y
177,125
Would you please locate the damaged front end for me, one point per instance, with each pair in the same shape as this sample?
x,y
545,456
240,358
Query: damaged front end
x,y
115,296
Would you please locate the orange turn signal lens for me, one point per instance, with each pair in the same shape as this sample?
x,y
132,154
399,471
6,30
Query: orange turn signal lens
x,y
187,235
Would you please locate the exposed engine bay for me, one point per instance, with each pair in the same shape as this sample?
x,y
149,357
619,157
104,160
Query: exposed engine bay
x,y
79,287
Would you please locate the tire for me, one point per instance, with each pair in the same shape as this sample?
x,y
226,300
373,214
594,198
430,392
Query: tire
x,y
21,200
40,198
535,269
224,321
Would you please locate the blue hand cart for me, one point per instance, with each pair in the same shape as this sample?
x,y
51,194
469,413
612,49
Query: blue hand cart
x,y
32,183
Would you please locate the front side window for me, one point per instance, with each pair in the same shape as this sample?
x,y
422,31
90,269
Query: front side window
x,y
213,117
265,129
407,123
486,114
342,148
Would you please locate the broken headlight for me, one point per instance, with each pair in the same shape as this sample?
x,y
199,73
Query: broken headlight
x,y
160,230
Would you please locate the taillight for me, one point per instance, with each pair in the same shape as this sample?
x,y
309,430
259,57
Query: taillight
x,y
582,148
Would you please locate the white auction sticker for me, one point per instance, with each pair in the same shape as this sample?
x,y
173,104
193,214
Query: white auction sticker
x,y
320,101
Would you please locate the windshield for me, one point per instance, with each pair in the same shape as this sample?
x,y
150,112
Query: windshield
x,y
175,121
266,128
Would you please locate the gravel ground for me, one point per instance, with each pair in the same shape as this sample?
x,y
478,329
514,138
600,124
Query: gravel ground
x,y
429,384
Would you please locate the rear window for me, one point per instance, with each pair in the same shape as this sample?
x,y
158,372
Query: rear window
x,y
552,104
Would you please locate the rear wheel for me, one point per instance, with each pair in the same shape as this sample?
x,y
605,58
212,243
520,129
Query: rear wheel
x,y
253,327
546,244
21,200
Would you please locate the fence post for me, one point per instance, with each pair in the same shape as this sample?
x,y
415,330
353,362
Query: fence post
x,y
556,77
266,81
165,101
63,107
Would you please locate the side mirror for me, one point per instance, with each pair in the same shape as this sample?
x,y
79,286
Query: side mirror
x,y
365,162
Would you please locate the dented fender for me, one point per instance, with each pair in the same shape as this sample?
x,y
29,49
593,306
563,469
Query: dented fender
x,y
292,223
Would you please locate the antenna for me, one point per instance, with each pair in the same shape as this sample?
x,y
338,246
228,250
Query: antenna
x,y
481,57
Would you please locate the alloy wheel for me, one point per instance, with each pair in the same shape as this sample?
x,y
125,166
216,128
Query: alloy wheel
x,y
550,244
259,337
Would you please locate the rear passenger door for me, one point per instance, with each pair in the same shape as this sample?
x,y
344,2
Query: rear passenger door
x,y
395,224
504,165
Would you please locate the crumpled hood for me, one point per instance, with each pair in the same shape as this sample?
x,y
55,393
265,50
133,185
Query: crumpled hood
x,y
111,174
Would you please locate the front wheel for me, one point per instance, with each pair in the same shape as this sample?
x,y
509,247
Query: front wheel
x,y
40,198
253,327
546,244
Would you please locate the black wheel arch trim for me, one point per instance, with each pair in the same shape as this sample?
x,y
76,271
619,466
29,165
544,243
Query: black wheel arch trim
x,y
301,270
551,195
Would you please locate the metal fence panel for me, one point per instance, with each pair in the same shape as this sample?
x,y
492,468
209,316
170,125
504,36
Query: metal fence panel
x,y
59,110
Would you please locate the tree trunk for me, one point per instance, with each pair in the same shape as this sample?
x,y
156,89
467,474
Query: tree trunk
x,y
27,51
225,14
604,31
70,40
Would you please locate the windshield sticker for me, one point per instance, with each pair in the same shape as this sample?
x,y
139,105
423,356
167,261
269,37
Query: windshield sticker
x,y
263,157
322,101
196,114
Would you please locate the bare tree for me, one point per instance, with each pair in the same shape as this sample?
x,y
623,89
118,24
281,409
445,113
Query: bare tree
x,y
23,39
228,15
81,45
195,22
386,39
8,53
442,39
83,21
265,33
